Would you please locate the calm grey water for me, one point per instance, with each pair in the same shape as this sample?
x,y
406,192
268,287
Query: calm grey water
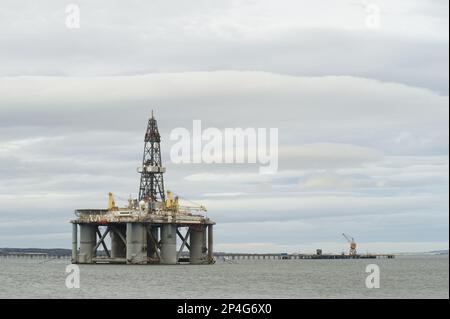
x,y
403,277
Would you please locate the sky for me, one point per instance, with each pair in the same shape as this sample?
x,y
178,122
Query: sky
x,y
361,111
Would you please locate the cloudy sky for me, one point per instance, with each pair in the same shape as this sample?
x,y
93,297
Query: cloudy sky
x,y
361,109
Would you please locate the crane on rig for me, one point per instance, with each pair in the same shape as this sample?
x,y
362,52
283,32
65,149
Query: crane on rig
x,y
352,242
172,204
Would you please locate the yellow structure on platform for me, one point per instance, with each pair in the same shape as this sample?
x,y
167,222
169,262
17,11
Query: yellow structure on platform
x,y
172,203
111,202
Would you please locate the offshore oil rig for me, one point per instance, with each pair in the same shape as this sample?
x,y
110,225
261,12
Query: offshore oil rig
x,y
146,230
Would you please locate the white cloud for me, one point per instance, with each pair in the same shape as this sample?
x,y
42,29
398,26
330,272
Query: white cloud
x,y
327,155
223,194
333,181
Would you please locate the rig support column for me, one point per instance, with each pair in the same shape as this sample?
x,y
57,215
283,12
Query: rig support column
x,y
196,245
88,239
152,248
74,243
210,244
169,244
136,243
118,247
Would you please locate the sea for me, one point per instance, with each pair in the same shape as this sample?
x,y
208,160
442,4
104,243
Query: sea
x,y
402,277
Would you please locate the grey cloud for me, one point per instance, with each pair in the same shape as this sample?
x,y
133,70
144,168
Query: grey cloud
x,y
312,206
362,116
364,229
390,117
156,37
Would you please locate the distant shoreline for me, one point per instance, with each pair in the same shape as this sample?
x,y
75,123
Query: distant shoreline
x,y
68,252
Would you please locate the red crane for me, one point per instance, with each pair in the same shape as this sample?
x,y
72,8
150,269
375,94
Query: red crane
x,y
352,243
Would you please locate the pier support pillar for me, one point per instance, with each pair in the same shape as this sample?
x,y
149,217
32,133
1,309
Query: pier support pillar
x,y
118,247
88,239
136,251
74,243
197,245
168,244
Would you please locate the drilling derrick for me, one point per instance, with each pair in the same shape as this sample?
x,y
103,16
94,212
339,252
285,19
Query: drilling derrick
x,y
151,187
